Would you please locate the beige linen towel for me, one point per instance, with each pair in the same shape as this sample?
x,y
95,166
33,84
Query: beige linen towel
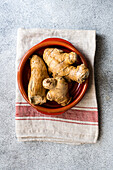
x,y
77,125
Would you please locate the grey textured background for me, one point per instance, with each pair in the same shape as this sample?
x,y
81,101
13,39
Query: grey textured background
x,y
60,14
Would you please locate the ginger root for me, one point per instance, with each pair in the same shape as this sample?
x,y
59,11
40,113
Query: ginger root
x,y
36,91
58,90
59,64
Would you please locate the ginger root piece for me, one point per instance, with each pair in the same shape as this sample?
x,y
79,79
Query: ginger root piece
x,y
58,90
60,56
59,64
78,74
36,91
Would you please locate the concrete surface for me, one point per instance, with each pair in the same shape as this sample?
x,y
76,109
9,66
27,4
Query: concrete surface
x,y
69,14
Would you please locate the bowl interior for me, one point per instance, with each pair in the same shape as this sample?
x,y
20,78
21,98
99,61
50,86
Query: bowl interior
x,y
74,87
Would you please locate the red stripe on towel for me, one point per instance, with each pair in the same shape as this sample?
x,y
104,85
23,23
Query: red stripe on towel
x,y
80,115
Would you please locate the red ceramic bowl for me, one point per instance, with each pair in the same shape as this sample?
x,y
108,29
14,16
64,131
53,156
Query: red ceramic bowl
x,y
76,90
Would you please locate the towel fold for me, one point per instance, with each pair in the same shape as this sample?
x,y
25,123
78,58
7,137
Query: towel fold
x,y
77,125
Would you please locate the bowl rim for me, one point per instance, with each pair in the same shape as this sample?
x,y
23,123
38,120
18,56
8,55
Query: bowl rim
x,y
50,42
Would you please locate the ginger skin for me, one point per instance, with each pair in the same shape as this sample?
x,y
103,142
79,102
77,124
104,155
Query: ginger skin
x,y
36,91
58,90
59,64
